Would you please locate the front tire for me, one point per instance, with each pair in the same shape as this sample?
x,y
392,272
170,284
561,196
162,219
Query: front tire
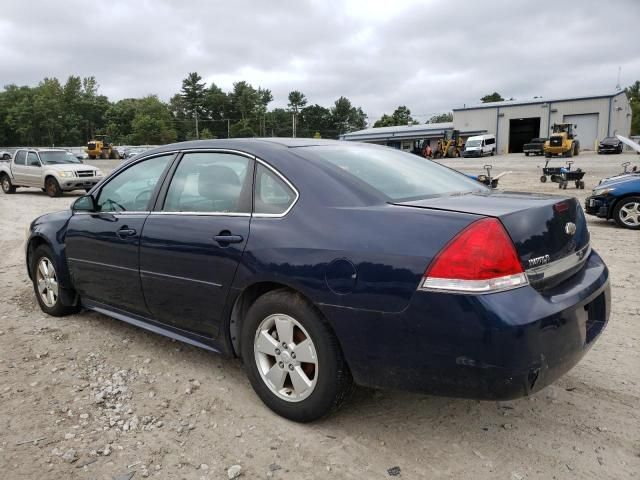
x,y
292,357
45,283
627,213
52,187
7,186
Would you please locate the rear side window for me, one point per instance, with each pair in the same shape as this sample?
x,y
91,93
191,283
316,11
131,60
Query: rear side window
x,y
490,141
20,158
397,175
272,194
211,182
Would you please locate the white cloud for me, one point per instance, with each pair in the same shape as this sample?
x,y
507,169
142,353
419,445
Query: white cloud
x,y
430,56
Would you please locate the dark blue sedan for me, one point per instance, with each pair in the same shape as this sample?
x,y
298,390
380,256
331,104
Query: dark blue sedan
x,y
324,264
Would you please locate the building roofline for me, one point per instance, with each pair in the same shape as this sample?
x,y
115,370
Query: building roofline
x,y
536,101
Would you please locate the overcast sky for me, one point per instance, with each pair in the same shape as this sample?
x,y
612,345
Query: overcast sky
x,y
429,55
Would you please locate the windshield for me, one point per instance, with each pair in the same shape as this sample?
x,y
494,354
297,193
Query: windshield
x,y
397,175
473,143
610,139
53,158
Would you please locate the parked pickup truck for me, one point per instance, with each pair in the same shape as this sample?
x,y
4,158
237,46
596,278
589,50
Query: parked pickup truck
x,y
534,147
52,170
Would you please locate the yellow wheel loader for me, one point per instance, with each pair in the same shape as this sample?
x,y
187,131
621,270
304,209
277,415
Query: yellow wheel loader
x,y
562,141
101,148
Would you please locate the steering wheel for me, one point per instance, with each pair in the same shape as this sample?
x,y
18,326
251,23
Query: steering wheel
x,y
113,202
143,196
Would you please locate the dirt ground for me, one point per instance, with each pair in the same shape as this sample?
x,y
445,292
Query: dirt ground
x,y
88,397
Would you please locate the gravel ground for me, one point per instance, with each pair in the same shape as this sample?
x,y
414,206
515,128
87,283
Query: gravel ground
x,y
89,397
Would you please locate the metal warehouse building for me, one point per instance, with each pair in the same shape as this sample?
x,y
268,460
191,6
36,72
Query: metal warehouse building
x,y
406,137
516,122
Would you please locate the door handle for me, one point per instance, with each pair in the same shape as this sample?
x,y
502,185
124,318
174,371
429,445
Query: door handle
x,y
225,239
126,232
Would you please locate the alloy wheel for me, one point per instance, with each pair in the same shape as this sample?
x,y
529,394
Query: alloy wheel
x,y
47,282
286,357
630,214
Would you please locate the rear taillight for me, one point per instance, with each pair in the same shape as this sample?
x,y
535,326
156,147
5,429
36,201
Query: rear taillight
x,y
480,259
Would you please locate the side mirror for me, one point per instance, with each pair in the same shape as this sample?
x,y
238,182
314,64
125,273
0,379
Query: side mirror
x,y
86,203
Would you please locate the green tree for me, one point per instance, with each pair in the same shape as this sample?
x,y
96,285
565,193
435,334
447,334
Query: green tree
x,y
193,95
400,116
441,118
492,97
346,117
315,118
633,94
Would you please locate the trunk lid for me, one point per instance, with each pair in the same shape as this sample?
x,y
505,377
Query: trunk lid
x,y
549,232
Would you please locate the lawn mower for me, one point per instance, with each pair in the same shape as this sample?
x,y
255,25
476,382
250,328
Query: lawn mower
x,y
563,175
487,179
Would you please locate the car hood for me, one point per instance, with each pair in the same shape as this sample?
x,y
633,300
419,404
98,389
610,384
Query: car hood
x,y
69,167
619,180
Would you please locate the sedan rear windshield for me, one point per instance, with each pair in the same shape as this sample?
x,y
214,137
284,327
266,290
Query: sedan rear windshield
x,y
397,175
52,158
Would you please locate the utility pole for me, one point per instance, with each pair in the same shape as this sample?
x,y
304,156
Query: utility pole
x,y
228,128
197,132
293,120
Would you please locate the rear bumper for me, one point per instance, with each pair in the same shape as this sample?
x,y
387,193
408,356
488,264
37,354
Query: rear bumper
x,y
497,346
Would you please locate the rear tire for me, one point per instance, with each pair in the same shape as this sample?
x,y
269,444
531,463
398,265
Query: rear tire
x,y
7,186
114,154
627,213
52,187
45,283
104,155
526,154
303,388
543,178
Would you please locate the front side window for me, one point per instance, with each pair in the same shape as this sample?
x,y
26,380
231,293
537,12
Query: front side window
x,y
131,189
272,194
20,158
32,160
211,182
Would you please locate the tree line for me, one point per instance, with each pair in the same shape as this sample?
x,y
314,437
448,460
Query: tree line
x,y
53,113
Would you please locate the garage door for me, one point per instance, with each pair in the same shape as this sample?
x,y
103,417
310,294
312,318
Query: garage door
x,y
587,130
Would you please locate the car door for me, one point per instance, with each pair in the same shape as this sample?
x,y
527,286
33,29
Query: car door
x,y
192,244
102,247
32,173
18,167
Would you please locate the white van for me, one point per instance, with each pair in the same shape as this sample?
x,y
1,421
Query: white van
x,y
480,145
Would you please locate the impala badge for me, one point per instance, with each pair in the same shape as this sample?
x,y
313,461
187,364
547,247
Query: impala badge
x,y
536,262
570,228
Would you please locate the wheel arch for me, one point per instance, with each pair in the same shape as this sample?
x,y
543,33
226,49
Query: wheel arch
x,y
243,302
613,206
33,243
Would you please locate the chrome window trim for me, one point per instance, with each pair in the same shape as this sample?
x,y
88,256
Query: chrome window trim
x,y
204,214
239,214
114,212
550,270
287,182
